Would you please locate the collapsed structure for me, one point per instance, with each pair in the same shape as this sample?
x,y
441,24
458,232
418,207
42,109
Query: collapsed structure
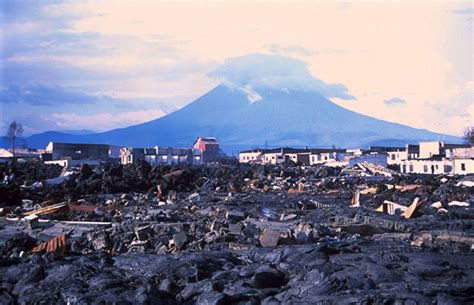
x,y
234,234
305,156
205,149
161,155
424,158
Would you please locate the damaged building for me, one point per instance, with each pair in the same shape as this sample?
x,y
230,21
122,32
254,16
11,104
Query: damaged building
x,y
74,154
304,156
209,147
22,154
422,158
441,158
161,155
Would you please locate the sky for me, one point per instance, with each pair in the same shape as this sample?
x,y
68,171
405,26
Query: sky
x,y
99,65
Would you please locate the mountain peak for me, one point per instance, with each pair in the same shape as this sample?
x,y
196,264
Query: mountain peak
x,y
279,117
254,72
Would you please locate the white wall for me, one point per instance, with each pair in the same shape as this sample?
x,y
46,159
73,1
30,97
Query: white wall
x,y
426,167
273,158
245,157
463,166
396,157
321,158
428,149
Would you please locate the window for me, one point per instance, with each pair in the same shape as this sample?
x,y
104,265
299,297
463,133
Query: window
x,y
319,157
447,168
411,167
273,157
425,168
393,157
312,158
325,157
463,166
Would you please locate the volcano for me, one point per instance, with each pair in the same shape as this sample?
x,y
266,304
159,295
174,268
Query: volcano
x,y
277,118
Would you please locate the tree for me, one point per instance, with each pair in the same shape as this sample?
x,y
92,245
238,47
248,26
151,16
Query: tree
x,y
14,130
469,135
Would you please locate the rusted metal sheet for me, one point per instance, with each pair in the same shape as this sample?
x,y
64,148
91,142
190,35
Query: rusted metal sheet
x,y
82,208
56,245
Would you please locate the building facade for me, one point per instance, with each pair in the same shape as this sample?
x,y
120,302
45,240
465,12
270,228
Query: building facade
x,y
161,155
209,147
74,151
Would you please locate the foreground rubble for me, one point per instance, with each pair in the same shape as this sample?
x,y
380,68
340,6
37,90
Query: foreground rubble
x,y
234,234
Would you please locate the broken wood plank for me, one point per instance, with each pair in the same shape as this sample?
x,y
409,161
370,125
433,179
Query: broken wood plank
x,y
48,210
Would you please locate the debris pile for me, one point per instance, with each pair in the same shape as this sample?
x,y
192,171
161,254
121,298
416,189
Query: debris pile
x,y
234,234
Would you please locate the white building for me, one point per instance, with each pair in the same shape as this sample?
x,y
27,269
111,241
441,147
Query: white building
x,y
247,156
427,167
463,166
455,159
318,156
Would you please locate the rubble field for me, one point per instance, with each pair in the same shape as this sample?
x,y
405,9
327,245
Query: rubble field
x,y
234,234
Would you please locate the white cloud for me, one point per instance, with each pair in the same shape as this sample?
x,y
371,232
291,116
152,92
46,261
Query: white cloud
x,y
275,72
105,121
394,101
290,49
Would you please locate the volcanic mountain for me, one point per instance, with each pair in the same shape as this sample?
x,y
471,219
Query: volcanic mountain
x,y
278,117
263,100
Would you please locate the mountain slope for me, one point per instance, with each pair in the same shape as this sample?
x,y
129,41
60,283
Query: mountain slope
x,y
280,118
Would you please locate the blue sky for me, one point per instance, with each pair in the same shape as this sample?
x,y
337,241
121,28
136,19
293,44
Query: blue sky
x,y
106,64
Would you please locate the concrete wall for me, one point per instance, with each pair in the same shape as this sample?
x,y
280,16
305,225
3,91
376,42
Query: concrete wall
x,y
396,157
72,151
426,167
161,155
245,157
273,158
463,153
463,166
429,149
321,158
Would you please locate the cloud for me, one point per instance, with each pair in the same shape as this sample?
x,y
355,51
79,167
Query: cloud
x,y
105,120
464,11
47,95
290,49
258,72
395,101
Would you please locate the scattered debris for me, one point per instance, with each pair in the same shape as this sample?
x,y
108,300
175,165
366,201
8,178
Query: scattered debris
x,y
234,233
269,238
48,209
355,202
56,245
458,204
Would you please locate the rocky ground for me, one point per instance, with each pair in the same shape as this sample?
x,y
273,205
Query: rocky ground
x,y
234,234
